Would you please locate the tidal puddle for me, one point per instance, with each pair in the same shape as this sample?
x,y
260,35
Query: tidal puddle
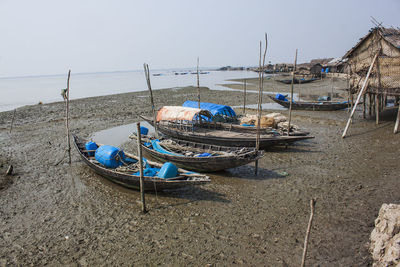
x,y
116,136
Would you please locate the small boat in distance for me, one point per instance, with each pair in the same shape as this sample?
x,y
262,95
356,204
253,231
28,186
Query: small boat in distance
x,y
127,176
297,81
302,105
198,157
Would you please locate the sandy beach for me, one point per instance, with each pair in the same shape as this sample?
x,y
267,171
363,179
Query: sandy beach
x,y
67,215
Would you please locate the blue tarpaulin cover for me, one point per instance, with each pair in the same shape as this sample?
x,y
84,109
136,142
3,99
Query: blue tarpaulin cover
x,y
215,109
158,148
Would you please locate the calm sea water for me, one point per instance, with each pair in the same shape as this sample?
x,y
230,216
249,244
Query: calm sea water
x,y
20,91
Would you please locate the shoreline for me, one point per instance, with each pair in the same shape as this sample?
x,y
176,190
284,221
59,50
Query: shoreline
x,y
68,215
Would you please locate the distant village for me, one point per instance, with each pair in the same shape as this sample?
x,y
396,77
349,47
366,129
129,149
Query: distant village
x,y
314,68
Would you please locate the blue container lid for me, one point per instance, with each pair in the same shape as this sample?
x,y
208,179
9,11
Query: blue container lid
x,y
168,170
143,130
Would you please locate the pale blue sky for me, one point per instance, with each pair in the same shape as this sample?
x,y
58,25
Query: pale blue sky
x,y
49,36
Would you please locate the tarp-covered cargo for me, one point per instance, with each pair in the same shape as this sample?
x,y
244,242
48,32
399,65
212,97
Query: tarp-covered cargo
x,y
215,109
174,113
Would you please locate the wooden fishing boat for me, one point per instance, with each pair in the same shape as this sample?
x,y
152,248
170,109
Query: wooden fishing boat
x,y
297,81
197,156
225,118
320,105
187,124
124,176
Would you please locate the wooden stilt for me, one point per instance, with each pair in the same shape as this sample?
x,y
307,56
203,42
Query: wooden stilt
x,y
139,141
359,96
291,94
396,126
370,104
351,101
364,107
376,109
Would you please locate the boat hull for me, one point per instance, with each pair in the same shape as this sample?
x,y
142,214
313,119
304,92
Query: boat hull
x,y
325,106
207,164
133,181
226,138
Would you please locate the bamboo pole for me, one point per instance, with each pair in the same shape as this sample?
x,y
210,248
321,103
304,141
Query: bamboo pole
x,y
396,126
198,82
291,94
260,92
274,72
147,74
139,144
312,206
67,119
359,95
11,167
244,97
299,89
12,121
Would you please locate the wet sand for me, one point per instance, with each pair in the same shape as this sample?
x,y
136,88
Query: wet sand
x,y
68,215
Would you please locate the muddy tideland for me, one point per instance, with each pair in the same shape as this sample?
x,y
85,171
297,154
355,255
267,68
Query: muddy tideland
x,y
67,215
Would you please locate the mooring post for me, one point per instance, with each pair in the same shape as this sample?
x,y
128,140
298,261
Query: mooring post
x,y
11,167
244,97
260,92
66,99
312,206
139,141
198,82
291,94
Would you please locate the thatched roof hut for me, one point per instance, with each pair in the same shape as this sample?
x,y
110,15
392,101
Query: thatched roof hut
x,y
374,68
316,69
385,75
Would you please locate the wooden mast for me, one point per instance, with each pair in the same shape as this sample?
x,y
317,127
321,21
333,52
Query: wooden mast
x,y
147,74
